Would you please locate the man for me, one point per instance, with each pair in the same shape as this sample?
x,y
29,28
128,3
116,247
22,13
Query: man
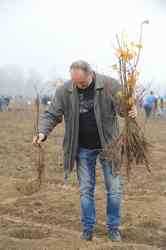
x,y
89,104
4,103
149,104
161,106
0,103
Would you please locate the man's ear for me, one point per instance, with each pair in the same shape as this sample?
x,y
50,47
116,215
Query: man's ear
x,y
89,78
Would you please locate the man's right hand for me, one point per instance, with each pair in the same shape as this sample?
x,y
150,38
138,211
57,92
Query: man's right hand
x,y
37,140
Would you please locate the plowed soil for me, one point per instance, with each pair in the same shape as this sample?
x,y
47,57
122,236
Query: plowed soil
x,y
49,218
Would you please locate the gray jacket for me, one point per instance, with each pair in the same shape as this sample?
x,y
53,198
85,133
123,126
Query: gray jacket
x,y
66,104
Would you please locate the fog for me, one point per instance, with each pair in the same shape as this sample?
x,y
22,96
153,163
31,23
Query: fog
x,y
46,36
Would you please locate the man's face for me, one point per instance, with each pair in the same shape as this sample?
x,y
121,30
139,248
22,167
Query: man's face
x,y
80,78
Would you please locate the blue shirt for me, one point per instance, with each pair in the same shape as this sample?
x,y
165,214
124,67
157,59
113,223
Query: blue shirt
x,y
149,101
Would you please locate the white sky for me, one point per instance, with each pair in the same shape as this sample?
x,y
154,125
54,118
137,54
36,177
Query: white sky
x,y
49,34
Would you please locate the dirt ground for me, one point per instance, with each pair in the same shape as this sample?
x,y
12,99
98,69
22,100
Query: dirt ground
x,y
49,218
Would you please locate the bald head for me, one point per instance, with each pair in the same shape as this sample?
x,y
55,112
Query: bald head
x,y
81,74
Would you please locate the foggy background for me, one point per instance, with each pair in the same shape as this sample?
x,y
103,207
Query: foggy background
x,y
40,39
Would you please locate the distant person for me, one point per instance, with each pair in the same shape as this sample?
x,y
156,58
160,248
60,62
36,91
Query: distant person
x,y
1,104
45,99
4,103
149,104
161,105
156,107
89,104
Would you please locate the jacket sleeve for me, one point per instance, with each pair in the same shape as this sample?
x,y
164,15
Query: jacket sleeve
x,y
115,91
54,115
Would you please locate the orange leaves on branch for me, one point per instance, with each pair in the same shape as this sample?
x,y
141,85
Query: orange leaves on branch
x,y
132,79
125,54
128,54
131,101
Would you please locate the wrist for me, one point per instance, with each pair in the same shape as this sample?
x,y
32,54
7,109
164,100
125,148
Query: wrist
x,y
42,136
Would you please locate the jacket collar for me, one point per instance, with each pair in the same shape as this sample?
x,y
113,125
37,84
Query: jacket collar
x,y
99,83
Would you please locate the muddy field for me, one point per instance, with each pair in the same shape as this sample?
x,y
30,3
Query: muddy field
x,y
49,219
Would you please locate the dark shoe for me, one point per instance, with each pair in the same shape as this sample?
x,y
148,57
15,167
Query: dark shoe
x,y
114,235
87,235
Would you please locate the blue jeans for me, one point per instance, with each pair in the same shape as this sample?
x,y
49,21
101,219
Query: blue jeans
x,y
86,171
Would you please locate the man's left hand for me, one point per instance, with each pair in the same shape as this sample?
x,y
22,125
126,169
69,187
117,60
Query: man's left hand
x,y
133,112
